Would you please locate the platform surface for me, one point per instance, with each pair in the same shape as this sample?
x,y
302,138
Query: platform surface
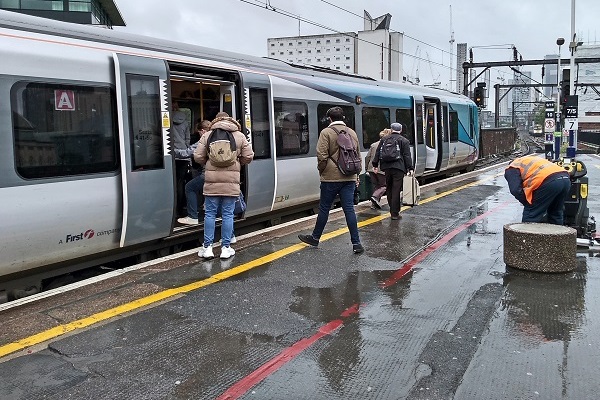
x,y
429,311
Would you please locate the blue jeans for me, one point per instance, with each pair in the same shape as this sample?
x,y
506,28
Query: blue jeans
x,y
211,205
192,189
329,190
548,198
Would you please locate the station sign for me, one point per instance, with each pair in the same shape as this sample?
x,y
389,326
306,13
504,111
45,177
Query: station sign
x,y
571,124
550,105
571,112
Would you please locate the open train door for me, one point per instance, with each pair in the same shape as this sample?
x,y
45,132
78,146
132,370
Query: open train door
x,y
146,166
420,155
259,130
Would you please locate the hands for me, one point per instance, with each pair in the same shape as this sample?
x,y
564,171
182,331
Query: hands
x,y
375,169
410,173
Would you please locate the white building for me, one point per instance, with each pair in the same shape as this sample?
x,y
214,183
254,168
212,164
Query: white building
x,y
588,73
374,52
335,51
521,96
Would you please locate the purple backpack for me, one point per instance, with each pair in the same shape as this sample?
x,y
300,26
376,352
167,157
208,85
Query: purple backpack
x,y
348,162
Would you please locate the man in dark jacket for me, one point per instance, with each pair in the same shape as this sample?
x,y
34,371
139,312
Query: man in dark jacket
x,y
396,169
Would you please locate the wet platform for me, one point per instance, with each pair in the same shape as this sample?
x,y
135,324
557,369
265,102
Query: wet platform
x,y
429,311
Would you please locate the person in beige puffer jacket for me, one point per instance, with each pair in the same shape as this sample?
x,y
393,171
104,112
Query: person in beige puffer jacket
x,y
221,185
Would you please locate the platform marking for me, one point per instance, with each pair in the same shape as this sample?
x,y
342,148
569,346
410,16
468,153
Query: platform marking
x,y
244,385
146,301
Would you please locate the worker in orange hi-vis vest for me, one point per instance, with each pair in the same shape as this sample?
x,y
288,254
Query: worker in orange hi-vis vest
x,y
541,186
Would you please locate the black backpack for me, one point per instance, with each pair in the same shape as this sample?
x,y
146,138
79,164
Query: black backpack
x,y
390,149
348,162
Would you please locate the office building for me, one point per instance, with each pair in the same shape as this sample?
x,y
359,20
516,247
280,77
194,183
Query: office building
x,y
374,52
461,58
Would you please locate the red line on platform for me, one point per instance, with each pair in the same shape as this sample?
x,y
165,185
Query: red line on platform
x,y
245,384
430,249
287,355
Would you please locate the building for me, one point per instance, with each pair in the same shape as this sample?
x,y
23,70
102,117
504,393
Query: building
x,y
551,77
461,58
93,12
335,51
522,103
374,52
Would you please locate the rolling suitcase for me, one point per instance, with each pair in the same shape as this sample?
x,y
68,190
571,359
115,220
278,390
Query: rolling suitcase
x,y
411,192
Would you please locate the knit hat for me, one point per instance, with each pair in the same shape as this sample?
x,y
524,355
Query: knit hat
x,y
396,127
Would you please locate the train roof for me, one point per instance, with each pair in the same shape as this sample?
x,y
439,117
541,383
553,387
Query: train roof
x,y
100,34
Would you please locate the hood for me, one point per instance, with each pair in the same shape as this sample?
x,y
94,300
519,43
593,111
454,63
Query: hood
x,y
178,117
225,123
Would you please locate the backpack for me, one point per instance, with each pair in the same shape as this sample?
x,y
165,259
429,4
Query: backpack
x,y
348,162
390,149
221,148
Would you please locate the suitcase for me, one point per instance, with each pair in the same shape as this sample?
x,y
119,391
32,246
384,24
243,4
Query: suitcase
x,y
411,192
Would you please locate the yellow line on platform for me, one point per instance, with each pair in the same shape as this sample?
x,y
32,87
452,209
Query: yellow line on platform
x,y
166,294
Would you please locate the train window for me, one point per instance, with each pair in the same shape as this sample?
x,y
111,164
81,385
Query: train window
x,y
143,102
374,120
405,117
445,123
453,116
63,129
291,128
324,121
259,118
419,114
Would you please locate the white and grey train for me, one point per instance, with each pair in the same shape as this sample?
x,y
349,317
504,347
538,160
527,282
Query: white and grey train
x,y
87,167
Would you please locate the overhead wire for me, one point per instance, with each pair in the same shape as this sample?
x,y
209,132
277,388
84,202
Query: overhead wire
x,y
288,14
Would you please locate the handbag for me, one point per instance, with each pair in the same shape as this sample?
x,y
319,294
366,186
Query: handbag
x,y
240,204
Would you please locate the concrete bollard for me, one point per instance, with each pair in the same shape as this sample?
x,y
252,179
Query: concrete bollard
x,y
540,247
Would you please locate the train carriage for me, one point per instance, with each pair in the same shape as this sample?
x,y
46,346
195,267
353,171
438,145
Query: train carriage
x,y
87,170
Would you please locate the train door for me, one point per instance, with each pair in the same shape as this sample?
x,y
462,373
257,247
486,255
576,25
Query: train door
x,y
258,121
147,176
420,151
444,135
431,136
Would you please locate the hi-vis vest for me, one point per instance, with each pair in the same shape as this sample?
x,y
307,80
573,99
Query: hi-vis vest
x,y
534,170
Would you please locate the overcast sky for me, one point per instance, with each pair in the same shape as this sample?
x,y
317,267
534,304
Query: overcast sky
x,y
244,25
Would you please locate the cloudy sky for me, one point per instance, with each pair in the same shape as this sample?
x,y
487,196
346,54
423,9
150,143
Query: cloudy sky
x,y
489,27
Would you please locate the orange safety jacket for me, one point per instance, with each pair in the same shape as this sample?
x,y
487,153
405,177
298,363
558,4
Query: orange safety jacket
x,y
534,170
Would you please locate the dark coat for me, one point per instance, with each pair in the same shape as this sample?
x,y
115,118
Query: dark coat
x,y
403,164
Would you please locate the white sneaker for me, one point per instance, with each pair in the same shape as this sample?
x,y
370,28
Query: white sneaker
x,y
232,241
227,252
206,252
188,221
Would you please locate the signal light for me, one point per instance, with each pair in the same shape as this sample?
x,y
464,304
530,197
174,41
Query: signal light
x,y
479,96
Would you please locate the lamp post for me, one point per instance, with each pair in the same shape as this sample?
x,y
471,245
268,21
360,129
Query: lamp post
x,y
558,130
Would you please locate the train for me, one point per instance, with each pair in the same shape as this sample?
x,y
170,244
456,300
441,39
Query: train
x,y
87,166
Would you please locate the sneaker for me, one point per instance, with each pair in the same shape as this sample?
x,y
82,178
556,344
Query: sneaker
x,y
308,239
233,239
188,221
358,248
396,216
206,252
227,252
375,202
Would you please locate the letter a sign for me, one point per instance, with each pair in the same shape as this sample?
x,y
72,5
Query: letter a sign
x,y
64,100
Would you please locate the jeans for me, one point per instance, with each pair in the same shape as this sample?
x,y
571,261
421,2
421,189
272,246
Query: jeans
x,y
548,198
181,167
211,205
192,189
329,190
